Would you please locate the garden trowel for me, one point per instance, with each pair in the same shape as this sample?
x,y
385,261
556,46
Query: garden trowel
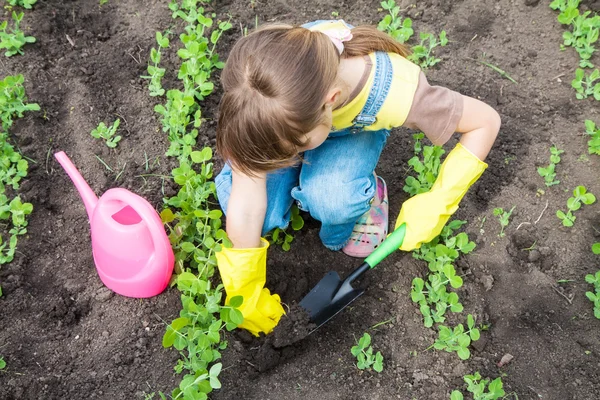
x,y
331,295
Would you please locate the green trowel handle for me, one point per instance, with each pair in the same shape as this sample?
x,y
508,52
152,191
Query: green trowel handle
x,y
387,247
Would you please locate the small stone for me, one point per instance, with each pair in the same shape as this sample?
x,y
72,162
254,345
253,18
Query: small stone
x,y
488,282
534,255
532,3
505,360
104,294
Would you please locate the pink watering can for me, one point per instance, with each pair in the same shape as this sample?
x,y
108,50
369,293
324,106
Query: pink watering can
x,y
131,250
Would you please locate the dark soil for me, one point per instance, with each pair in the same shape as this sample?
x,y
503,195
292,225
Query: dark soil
x,y
65,336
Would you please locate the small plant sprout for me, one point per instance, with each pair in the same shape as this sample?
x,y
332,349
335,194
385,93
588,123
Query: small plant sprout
x,y
595,295
580,196
281,237
548,173
503,218
596,248
457,339
363,352
477,387
502,73
393,24
427,169
13,39
2,363
22,3
108,133
586,85
594,132
422,53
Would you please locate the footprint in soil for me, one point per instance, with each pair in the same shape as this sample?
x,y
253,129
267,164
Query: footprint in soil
x,y
525,246
266,352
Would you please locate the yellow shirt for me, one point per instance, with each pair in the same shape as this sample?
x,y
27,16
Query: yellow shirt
x,y
397,104
399,99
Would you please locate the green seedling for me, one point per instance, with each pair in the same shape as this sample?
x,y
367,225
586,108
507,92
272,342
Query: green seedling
x,y
596,248
108,133
477,387
155,72
422,53
580,196
281,237
427,169
393,25
2,363
22,3
548,173
13,102
568,10
595,295
503,218
457,339
586,85
432,295
13,38
594,132
363,351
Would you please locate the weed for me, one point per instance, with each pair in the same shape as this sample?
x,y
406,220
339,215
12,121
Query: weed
x,y
502,73
548,173
108,133
457,339
363,351
22,3
595,295
594,132
477,387
503,218
422,53
586,85
393,25
12,38
580,196
596,248
2,363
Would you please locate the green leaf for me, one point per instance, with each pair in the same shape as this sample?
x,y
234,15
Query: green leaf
x,y
596,248
173,331
463,353
456,395
236,301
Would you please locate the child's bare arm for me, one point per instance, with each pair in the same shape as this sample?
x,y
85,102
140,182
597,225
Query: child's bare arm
x,y
246,210
479,126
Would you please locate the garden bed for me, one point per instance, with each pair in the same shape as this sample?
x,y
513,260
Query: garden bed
x,y
65,336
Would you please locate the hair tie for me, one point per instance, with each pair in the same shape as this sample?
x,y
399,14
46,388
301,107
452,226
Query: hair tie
x,y
338,31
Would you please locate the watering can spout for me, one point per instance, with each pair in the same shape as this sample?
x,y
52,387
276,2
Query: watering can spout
x,y
85,191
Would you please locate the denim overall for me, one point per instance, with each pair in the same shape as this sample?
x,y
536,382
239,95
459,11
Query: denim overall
x,y
336,184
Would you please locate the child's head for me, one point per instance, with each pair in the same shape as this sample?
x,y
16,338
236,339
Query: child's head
x,y
280,83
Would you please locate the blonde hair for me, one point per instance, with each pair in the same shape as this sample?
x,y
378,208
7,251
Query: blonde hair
x,y
275,82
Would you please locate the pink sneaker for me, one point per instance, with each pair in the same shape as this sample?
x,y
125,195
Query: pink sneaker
x,y
372,227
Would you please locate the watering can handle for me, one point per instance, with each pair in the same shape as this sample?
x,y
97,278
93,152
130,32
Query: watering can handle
x,y
388,246
162,246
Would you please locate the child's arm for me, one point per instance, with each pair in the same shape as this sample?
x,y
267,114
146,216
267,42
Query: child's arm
x,y
246,210
243,268
479,126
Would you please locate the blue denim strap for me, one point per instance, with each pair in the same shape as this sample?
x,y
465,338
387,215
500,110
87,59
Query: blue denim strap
x,y
381,86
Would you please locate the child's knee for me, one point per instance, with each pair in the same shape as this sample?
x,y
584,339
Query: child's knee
x,y
337,203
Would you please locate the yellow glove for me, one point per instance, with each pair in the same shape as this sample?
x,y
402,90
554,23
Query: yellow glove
x,y
426,214
244,273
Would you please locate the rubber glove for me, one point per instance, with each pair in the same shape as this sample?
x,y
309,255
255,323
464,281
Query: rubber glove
x,y
426,214
244,273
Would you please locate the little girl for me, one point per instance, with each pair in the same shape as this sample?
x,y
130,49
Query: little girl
x,y
304,118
